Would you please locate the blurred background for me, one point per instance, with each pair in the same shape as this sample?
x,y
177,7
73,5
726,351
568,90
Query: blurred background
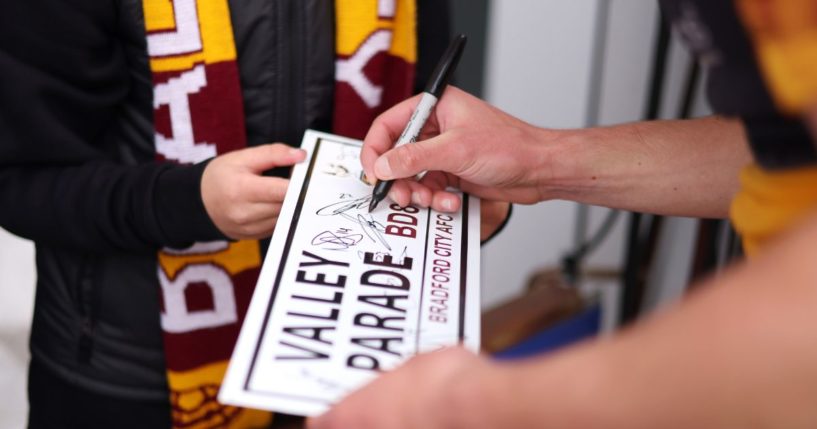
x,y
555,64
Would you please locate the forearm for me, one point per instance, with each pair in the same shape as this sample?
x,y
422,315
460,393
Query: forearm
x,y
103,206
682,168
740,353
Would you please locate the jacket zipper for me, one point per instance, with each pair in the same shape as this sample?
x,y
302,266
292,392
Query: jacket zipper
x,y
86,310
290,69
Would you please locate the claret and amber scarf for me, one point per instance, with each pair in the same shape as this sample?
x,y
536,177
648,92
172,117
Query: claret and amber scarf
x,y
198,114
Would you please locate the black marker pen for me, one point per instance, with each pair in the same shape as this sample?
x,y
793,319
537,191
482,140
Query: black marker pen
x,y
432,93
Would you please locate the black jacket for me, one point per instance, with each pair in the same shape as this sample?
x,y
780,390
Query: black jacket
x,y
77,170
735,86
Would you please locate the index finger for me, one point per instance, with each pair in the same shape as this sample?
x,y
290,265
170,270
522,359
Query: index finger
x,y
384,132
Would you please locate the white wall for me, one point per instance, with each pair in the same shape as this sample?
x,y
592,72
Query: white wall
x,y
16,304
536,69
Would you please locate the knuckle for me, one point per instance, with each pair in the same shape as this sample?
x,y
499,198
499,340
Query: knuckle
x,y
239,216
411,157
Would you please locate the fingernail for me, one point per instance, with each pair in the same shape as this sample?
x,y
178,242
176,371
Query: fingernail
x,y
447,204
369,179
415,198
382,168
295,152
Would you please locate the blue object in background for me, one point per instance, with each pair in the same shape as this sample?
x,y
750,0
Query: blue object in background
x,y
584,325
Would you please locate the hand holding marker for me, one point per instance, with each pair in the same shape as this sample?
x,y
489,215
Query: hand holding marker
x,y
434,90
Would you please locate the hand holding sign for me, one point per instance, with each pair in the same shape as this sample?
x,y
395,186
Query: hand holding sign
x,y
345,294
241,201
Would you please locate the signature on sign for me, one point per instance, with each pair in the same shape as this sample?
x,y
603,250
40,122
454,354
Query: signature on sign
x,y
353,211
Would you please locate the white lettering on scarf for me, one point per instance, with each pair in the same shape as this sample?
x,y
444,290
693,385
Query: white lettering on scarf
x,y
184,39
178,318
174,93
350,70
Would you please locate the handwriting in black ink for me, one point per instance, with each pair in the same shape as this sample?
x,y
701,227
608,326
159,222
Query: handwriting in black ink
x,y
338,240
341,207
373,229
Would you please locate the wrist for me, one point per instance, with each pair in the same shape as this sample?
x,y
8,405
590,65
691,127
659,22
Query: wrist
x,y
180,208
564,167
593,165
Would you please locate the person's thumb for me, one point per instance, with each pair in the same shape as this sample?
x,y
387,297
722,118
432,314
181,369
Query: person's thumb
x,y
436,154
262,158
